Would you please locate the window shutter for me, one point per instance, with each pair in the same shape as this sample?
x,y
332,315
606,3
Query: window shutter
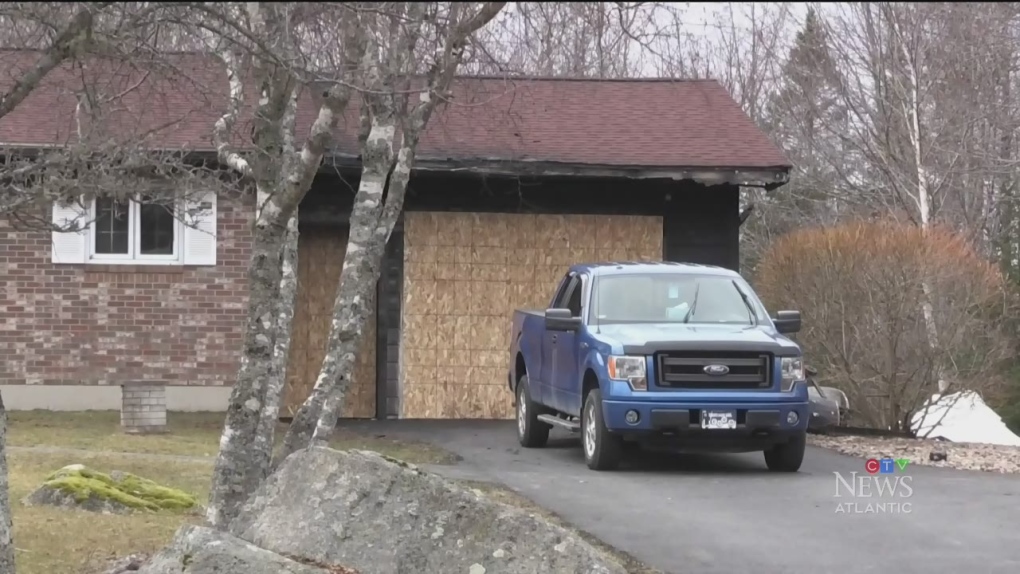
x,y
70,247
200,229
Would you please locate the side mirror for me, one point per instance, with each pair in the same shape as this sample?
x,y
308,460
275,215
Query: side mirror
x,y
561,320
810,371
787,321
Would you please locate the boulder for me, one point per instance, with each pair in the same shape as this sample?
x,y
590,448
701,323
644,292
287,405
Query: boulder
x,y
77,486
377,515
130,563
200,550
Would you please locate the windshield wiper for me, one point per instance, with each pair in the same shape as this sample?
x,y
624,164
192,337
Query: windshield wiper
x,y
747,303
694,303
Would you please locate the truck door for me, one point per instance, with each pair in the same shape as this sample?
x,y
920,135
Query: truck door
x,y
565,378
549,340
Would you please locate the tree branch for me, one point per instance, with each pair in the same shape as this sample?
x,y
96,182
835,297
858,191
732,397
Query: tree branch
x,y
225,124
77,34
321,132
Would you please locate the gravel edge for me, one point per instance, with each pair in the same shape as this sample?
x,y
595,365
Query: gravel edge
x,y
962,456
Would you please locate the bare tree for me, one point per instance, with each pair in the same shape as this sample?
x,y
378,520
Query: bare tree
x,y
578,40
800,116
396,121
265,34
378,45
57,39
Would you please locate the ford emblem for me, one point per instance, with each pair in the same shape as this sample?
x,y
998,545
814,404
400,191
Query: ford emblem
x,y
716,370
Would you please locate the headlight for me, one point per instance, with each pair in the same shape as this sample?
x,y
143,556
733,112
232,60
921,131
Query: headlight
x,y
630,369
792,370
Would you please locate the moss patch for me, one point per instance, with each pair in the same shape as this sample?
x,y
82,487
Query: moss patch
x,y
126,489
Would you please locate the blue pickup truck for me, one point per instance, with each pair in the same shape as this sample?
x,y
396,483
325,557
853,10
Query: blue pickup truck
x,y
669,355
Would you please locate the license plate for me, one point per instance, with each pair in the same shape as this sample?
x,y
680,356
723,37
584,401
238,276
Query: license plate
x,y
718,419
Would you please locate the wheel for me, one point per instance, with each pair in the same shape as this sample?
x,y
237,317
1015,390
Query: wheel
x,y
531,432
787,457
602,450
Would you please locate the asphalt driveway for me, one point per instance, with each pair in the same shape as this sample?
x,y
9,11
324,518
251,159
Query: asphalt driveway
x,y
699,514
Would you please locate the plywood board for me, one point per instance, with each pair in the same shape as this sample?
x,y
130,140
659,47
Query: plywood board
x,y
465,273
320,259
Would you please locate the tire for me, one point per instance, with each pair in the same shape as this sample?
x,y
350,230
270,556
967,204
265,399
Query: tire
x,y
787,457
602,450
531,432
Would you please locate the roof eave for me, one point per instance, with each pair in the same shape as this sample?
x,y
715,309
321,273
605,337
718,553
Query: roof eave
x,y
767,177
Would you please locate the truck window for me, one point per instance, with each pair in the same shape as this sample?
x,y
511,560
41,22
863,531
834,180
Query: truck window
x,y
560,300
565,299
574,298
674,298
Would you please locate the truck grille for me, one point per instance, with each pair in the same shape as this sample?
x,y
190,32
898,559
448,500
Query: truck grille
x,y
686,370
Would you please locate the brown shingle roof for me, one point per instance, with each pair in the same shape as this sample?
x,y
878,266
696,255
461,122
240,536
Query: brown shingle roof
x,y
647,123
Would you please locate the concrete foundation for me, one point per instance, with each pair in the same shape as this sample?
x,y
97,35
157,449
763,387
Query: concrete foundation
x,y
179,398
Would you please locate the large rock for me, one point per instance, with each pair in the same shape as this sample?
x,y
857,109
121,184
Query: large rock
x,y
379,516
200,550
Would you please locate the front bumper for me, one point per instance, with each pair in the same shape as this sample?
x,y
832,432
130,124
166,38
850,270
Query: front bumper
x,y
754,419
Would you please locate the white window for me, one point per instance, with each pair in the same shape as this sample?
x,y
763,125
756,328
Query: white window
x,y
138,231
134,230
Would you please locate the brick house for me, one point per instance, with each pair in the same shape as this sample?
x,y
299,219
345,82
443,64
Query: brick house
x,y
534,175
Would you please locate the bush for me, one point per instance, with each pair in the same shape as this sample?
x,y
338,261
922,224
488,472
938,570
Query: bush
x,y
889,310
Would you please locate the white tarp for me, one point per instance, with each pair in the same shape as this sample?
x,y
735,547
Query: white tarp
x,y
968,419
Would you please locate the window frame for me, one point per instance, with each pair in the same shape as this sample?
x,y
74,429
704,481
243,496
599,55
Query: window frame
x,y
135,239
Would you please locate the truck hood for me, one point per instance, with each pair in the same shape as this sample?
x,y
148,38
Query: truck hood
x,y
649,338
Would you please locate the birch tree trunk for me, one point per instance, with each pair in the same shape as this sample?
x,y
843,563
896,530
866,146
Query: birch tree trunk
x,y
377,239
6,528
358,278
282,177
236,473
378,204
266,431
923,194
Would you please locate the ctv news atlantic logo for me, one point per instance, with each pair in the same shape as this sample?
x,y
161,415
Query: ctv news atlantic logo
x,y
884,488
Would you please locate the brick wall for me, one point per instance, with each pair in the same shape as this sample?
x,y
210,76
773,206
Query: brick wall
x,y
102,325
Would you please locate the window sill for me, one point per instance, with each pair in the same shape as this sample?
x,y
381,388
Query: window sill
x,y
134,268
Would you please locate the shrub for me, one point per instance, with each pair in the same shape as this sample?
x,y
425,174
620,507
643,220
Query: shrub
x,y
864,289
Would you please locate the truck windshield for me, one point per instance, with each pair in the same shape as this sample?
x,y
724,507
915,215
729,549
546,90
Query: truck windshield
x,y
662,298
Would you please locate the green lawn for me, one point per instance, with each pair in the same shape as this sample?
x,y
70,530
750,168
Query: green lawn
x,y
56,541
191,434
59,541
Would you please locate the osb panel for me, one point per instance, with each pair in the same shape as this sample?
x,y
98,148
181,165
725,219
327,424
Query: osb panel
x,y
320,259
465,273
